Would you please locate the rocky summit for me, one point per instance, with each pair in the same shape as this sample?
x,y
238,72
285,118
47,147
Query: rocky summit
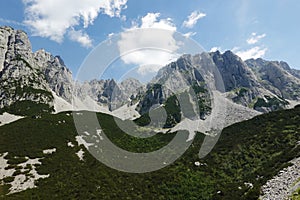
x,y
34,79
44,156
32,82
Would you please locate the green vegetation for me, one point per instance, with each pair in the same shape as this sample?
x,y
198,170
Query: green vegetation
x,y
29,100
173,112
203,98
172,109
249,152
27,108
242,91
296,195
272,102
199,88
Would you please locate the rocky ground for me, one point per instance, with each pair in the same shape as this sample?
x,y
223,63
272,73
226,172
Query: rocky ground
x,y
284,183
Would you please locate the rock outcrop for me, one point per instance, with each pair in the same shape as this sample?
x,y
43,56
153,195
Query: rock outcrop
x,y
29,77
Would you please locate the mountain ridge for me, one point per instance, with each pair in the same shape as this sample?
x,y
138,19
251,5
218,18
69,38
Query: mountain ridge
x,y
32,77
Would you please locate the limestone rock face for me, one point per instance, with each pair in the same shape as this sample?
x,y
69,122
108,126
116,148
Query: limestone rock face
x,y
21,81
234,71
258,84
132,88
110,93
277,77
13,43
39,77
58,76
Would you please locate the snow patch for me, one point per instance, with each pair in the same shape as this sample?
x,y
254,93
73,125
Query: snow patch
x,y
3,164
81,141
49,151
98,132
23,182
70,144
7,118
26,179
249,185
87,133
80,154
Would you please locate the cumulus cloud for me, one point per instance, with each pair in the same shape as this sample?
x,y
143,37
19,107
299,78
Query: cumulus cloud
x,y
214,49
255,38
153,20
255,52
54,18
149,43
82,38
189,34
193,19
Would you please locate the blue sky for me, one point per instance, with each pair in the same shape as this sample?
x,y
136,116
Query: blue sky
x,y
72,28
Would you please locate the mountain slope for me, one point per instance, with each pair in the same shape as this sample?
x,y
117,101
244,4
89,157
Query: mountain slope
x,y
246,156
277,76
29,80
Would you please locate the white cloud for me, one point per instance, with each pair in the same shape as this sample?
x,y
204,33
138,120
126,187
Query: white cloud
x,y
151,20
189,34
214,49
11,22
149,43
150,69
255,38
193,19
110,35
53,18
255,52
82,38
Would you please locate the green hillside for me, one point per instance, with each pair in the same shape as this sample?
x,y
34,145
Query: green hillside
x,y
249,152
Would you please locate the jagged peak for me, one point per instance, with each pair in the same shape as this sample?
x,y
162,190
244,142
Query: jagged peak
x,y
16,32
42,51
7,28
130,80
229,52
60,60
259,61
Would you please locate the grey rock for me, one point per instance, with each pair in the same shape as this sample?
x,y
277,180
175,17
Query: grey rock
x,y
277,77
234,71
57,74
20,79
243,82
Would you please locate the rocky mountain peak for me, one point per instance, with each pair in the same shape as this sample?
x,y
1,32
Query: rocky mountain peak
x,y
234,71
38,77
13,43
277,77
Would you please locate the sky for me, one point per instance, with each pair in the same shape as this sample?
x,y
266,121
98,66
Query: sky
x,y
74,28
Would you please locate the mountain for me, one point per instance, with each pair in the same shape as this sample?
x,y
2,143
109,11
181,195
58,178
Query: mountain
x,y
277,77
255,84
44,158
36,82
258,85
23,83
